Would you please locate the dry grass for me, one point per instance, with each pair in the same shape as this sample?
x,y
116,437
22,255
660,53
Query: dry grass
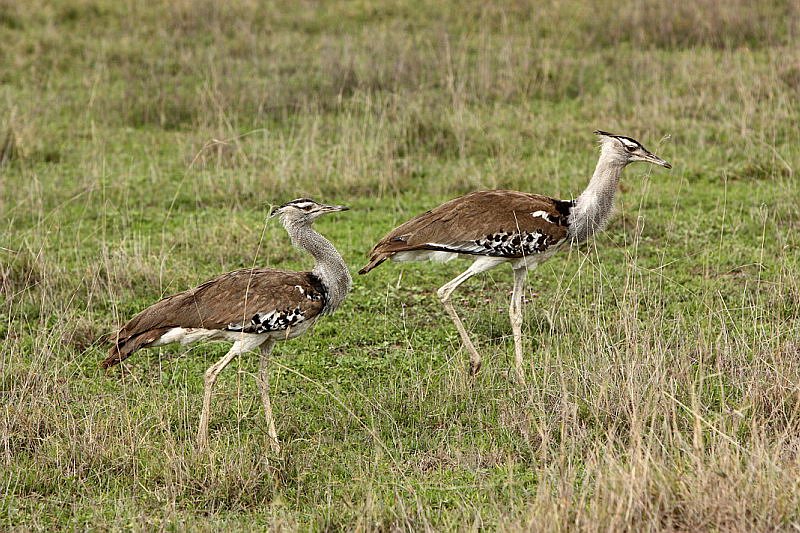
x,y
140,145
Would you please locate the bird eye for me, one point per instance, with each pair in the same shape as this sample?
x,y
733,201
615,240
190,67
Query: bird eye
x,y
629,146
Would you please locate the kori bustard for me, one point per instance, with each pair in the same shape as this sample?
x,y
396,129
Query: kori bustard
x,y
253,308
500,226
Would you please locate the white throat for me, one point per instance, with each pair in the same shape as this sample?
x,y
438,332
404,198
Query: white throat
x,y
593,207
330,268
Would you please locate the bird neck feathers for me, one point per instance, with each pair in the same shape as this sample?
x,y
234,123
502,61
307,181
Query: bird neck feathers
x,y
330,268
593,207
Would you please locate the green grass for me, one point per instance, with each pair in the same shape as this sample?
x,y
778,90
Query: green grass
x,y
142,144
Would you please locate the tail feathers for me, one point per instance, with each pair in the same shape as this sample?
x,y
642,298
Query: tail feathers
x,y
116,354
374,262
125,347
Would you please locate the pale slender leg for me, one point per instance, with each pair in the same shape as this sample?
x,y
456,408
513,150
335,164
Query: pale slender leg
x,y
210,378
446,290
474,356
263,386
515,314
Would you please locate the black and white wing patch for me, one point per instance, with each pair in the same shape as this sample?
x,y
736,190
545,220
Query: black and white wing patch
x,y
500,244
272,321
285,318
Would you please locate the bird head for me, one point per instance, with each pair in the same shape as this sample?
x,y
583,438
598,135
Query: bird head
x,y
628,150
304,211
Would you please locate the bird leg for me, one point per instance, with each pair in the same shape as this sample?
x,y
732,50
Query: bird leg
x,y
515,314
210,377
263,386
474,356
444,293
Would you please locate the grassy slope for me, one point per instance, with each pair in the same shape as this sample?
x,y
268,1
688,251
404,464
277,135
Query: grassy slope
x,y
664,366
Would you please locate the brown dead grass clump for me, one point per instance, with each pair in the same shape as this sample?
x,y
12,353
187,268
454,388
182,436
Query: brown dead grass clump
x,y
19,271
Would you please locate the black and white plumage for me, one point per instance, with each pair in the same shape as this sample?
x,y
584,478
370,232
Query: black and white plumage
x,y
501,226
253,308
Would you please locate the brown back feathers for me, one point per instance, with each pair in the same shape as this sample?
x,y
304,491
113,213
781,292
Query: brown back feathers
x,y
494,223
228,302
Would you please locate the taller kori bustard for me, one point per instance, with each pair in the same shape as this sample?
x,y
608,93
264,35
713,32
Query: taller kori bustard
x,y
501,226
253,308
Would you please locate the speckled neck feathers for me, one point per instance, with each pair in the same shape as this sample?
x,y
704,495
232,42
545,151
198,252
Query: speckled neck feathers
x,y
330,268
593,207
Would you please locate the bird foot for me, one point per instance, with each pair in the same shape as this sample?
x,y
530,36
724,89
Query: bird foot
x,y
274,446
202,440
474,368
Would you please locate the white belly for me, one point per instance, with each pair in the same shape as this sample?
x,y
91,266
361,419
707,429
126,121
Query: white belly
x,y
424,255
191,335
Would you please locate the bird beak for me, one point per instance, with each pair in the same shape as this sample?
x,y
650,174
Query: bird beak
x,y
274,211
334,208
652,158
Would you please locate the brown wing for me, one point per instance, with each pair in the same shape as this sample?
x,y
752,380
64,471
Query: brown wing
x,y
255,300
495,223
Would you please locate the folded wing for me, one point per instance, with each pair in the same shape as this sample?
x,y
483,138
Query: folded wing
x,y
257,300
494,223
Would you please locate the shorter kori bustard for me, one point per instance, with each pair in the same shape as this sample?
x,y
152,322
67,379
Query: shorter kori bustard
x,y
501,226
253,308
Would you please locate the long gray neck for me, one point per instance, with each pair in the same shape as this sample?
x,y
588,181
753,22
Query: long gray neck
x,y
330,268
593,207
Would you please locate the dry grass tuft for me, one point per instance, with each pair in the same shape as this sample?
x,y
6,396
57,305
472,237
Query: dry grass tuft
x,y
19,271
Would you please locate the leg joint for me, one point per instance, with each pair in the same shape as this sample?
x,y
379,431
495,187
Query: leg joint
x,y
443,294
210,375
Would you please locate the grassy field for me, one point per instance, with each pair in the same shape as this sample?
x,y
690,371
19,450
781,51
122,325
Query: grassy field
x,y
141,144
